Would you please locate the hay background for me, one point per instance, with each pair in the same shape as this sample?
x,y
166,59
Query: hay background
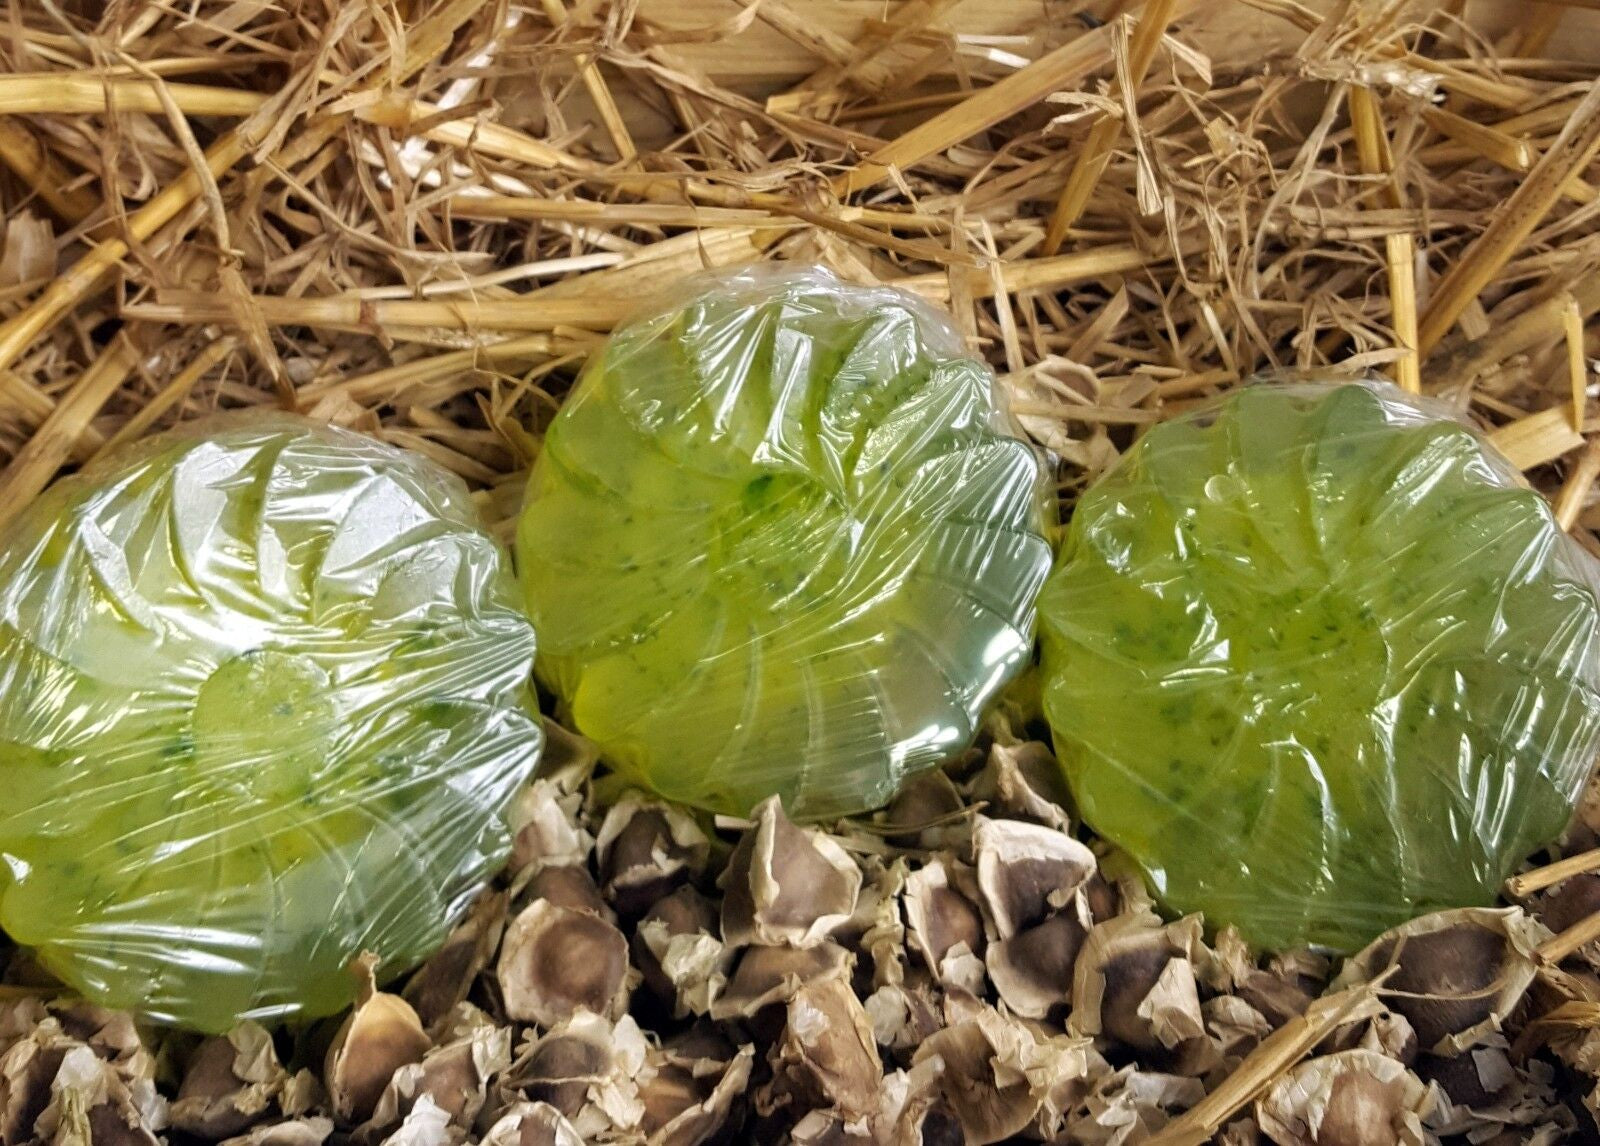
x,y
417,218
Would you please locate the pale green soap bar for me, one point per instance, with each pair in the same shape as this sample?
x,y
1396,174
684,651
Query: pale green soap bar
x,y
1319,665
262,708
778,542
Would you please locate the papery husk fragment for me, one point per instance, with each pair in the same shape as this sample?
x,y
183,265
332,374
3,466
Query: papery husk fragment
x,y
556,961
1455,975
381,1035
1353,1098
785,884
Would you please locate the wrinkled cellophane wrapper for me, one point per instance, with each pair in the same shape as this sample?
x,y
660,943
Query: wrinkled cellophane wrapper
x,y
263,705
1319,662
779,541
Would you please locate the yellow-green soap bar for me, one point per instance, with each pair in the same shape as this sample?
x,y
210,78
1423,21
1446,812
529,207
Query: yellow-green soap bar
x,y
779,541
263,706
1319,663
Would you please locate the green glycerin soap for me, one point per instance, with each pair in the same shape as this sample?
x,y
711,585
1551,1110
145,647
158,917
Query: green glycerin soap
x,y
1319,663
778,542
263,706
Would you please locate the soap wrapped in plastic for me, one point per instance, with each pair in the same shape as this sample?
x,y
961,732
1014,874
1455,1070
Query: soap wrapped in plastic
x,y
778,541
1320,662
264,697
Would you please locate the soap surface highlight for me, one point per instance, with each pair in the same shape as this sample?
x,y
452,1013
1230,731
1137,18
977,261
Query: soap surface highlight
x,y
1318,663
779,542
263,705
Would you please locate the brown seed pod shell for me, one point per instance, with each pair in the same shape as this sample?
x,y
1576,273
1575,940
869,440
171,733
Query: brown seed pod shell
x,y
587,1068
905,1014
455,1077
546,828
684,913
556,961
289,1132
764,976
827,1056
445,979
230,1083
1023,780
1026,872
569,886
1128,1105
90,1103
1455,975
533,1124
1353,1098
26,1071
943,923
1033,970
646,848
690,1097
785,884
922,810
999,1076
1135,983
379,1037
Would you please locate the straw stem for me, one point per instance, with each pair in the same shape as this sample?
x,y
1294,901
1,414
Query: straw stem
x,y
1372,150
1066,65
525,313
1091,161
170,395
1568,942
45,177
1524,885
1510,227
54,441
1261,1067
604,103
1538,438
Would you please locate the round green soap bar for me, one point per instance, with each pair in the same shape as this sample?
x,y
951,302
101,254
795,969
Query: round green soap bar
x,y
778,542
263,706
1319,663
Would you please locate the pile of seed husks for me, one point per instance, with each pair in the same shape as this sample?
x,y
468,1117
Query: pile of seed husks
x,y
959,968
418,219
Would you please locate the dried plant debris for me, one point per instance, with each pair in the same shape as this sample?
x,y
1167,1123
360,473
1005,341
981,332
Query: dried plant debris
x,y
421,225
1005,986
1455,976
558,960
1346,1099
785,884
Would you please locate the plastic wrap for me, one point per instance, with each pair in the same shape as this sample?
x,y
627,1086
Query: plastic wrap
x,y
1319,662
778,541
262,708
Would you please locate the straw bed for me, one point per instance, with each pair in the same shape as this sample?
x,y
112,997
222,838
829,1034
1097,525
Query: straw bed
x,y
418,220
